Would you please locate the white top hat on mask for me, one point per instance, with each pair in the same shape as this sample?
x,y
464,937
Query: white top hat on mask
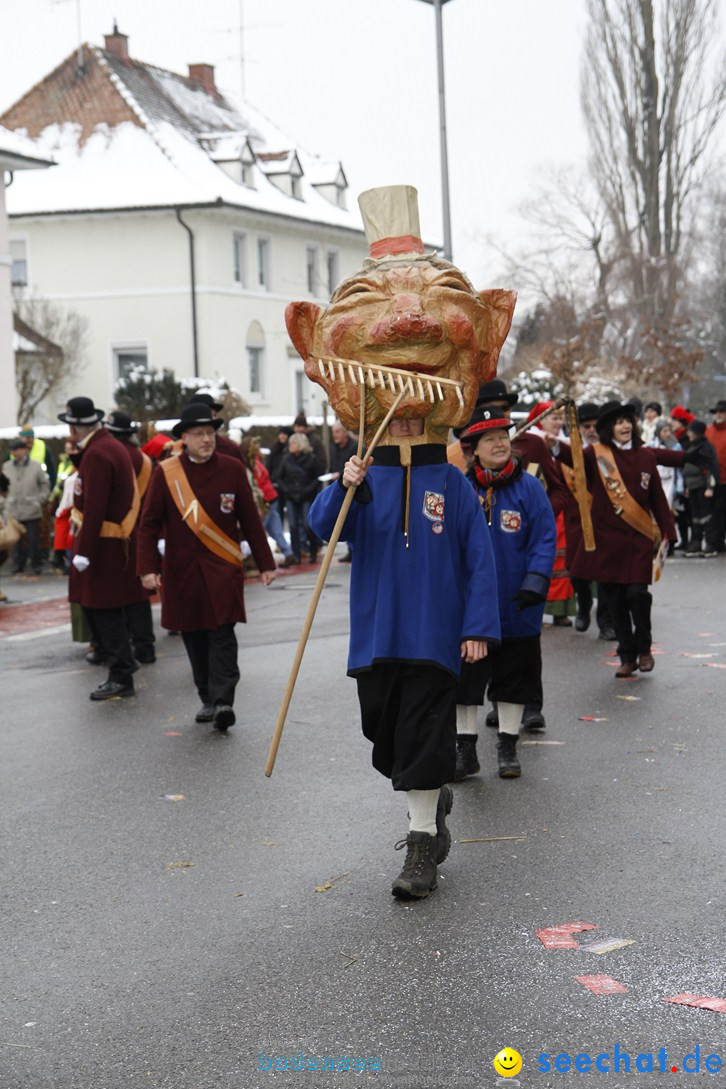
x,y
391,223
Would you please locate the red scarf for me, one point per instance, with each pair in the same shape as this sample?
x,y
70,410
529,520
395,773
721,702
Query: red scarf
x,y
491,479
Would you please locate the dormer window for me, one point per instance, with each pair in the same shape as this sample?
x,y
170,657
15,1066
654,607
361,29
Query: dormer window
x,y
296,187
248,175
283,169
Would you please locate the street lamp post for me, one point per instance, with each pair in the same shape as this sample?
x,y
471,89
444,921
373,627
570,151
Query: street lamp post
x,y
438,5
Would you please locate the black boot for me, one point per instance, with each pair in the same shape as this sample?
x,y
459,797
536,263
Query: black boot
x,y
467,762
509,766
418,876
532,718
443,835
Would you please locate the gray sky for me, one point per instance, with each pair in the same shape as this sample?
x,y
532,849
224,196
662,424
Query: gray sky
x,y
356,80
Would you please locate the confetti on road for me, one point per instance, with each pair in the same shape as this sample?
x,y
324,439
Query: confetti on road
x,y
543,741
715,665
607,945
718,1005
560,937
592,718
630,699
181,865
706,634
493,839
602,984
688,654
172,733
174,797
323,888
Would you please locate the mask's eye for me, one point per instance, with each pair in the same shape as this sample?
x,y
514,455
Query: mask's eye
x,y
453,283
359,287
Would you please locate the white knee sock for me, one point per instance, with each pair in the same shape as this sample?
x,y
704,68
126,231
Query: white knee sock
x,y
422,810
465,719
510,718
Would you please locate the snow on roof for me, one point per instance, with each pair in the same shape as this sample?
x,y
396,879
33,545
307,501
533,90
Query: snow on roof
x,y
171,157
322,172
17,152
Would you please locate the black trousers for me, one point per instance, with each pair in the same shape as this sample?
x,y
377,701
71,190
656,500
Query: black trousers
x,y
141,627
213,657
408,712
583,592
512,670
718,532
630,611
110,632
28,547
701,520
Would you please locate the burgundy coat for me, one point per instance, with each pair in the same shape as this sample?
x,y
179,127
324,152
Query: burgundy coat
x,y
622,554
200,590
103,492
530,449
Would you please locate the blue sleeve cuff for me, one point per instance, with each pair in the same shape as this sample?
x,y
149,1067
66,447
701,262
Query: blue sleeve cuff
x,y
538,584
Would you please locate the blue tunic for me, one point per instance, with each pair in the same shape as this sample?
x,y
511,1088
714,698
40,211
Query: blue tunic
x,y
523,534
414,597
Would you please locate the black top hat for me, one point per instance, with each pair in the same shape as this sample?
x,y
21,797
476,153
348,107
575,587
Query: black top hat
x,y
612,409
587,411
195,415
120,423
206,399
483,419
495,391
81,410
720,406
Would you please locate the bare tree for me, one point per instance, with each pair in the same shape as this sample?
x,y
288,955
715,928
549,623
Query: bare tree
x,y
53,346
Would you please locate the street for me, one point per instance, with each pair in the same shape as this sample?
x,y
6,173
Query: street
x,y
172,919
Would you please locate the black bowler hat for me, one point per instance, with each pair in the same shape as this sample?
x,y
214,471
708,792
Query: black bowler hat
x,y
483,419
120,423
195,415
208,400
612,409
720,406
495,391
587,411
80,410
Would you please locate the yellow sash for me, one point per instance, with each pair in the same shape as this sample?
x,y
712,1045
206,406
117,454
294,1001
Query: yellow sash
x,y
628,508
194,515
123,529
145,475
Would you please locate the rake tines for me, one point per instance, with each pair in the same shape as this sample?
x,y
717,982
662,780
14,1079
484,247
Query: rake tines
x,y
397,381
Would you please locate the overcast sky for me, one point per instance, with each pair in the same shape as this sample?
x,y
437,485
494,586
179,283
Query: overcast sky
x,y
356,80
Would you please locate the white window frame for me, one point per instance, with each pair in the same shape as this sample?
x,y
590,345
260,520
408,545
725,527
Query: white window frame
x,y
312,269
239,258
263,279
261,376
335,255
22,240
121,347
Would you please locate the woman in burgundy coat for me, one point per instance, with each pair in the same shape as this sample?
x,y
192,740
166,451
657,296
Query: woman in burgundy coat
x,y
623,558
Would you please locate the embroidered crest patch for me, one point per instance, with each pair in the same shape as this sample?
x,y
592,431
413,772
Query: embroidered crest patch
x,y
437,527
78,485
645,480
510,521
433,506
226,502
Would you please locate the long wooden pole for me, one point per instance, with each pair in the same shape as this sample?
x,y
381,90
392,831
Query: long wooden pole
x,y
322,575
578,464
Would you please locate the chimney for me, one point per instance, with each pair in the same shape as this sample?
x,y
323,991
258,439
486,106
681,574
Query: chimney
x,y
118,44
203,74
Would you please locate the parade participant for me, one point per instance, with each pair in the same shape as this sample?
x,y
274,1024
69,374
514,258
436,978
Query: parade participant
x,y
716,435
106,510
200,502
422,582
630,517
138,614
522,528
27,494
224,445
700,482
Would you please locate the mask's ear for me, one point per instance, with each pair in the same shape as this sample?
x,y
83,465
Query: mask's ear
x,y
301,319
500,310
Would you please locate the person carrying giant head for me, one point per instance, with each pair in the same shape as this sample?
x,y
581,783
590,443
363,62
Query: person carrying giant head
x,y
410,328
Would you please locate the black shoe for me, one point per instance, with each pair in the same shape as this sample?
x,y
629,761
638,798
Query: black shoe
x,y
492,719
146,657
443,835
509,766
418,876
608,634
94,658
582,622
223,717
111,690
467,762
205,713
533,719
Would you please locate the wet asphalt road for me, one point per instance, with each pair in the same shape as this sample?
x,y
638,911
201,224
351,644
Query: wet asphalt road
x,y
166,944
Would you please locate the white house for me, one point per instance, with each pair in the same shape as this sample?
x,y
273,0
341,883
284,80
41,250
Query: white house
x,y
178,223
16,153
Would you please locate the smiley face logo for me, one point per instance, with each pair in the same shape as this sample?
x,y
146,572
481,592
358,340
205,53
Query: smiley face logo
x,y
508,1062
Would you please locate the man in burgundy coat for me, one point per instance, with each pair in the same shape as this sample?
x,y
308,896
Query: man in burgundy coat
x,y
203,575
103,579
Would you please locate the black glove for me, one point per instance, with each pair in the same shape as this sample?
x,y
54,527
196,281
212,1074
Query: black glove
x,y
526,598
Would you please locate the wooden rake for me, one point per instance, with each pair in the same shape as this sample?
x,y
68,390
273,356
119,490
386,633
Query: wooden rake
x,y
374,377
